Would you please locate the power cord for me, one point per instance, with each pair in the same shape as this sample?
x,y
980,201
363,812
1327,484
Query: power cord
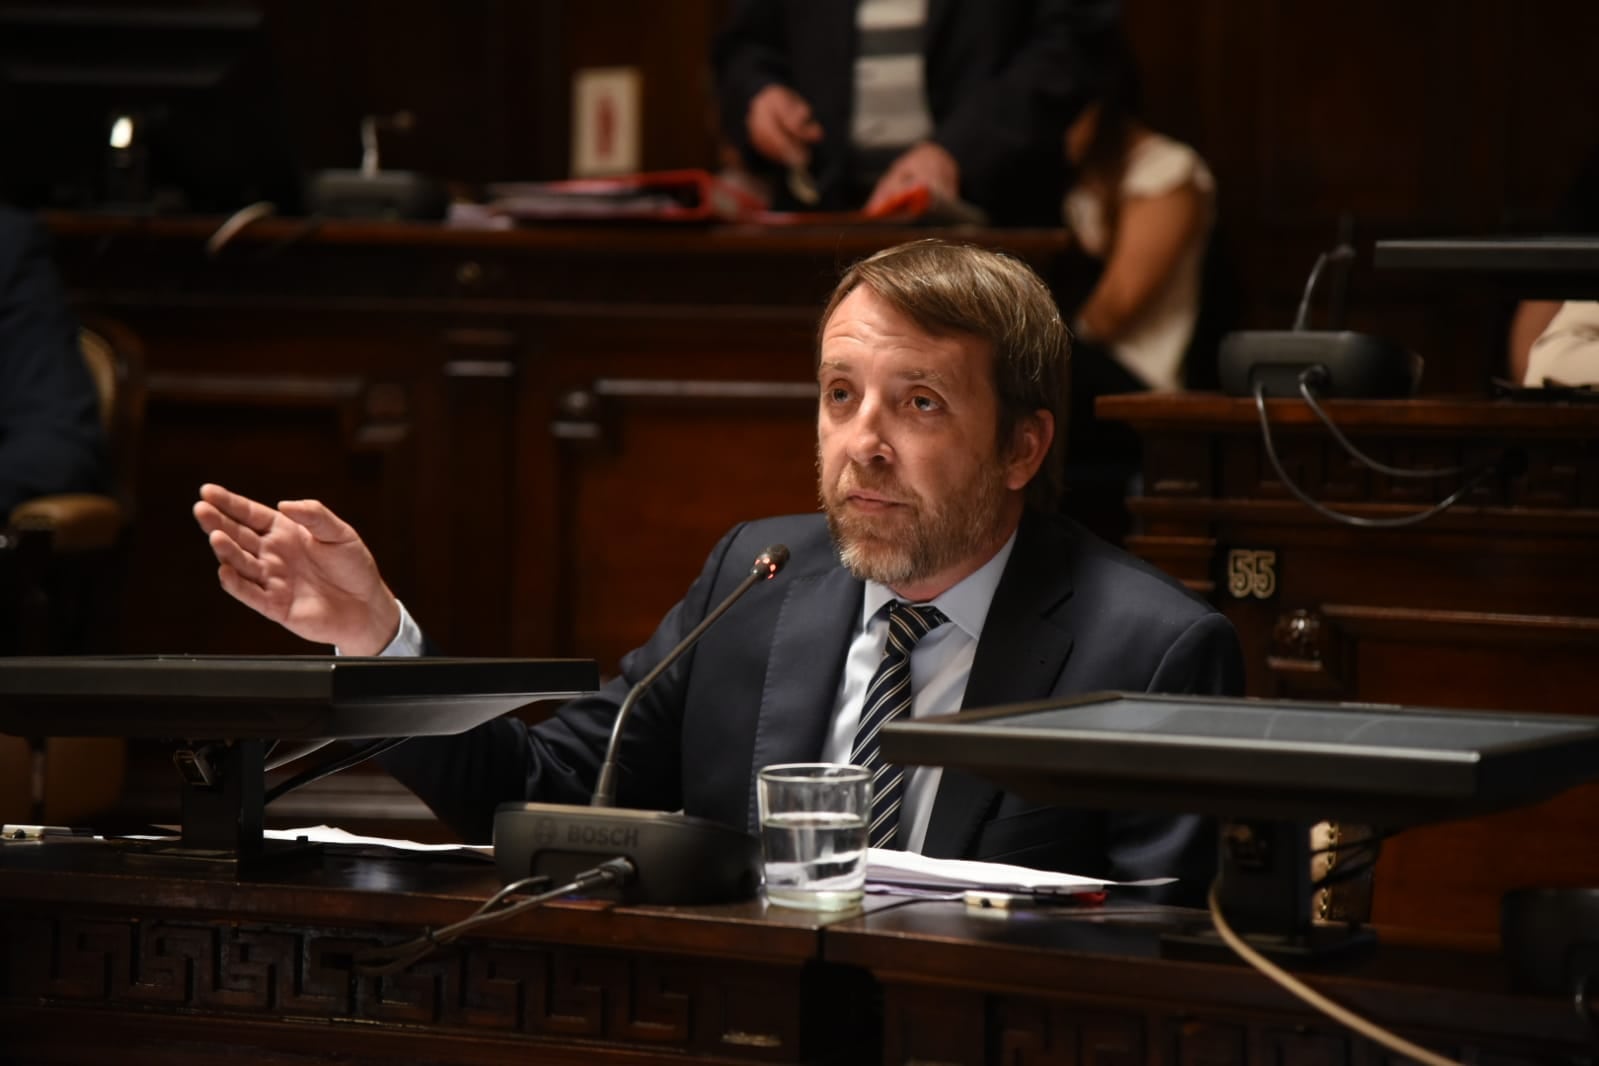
x,y
281,753
1483,474
330,767
386,961
236,224
1357,858
1318,376
1370,840
1297,988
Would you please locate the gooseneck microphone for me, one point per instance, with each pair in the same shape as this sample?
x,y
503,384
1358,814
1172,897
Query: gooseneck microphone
x,y
1343,255
679,859
765,567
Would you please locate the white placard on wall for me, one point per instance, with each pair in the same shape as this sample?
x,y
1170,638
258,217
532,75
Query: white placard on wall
x,y
605,121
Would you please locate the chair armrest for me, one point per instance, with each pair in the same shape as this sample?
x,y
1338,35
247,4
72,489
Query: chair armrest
x,y
77,522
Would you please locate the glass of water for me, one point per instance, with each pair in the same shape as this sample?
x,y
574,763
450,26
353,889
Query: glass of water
x,y
813,833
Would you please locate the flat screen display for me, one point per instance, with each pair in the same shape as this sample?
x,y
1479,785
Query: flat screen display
x,y
273,698
1385,764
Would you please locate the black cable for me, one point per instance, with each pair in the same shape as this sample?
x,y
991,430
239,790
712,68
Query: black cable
x,y
282,753
1370,840
1352,859
1343,254
1348,519
308,227
385,961
1381,468
331,767
1340,874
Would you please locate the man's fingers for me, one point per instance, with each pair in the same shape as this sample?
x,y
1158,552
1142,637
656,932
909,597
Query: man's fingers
x,y
889,186
804,132
242,509
212,520
774,142
230,554
782,127
794,118
322,523
248,593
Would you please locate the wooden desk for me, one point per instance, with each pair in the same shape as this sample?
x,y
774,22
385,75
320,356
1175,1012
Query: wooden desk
x,y
1091,987
108,959
1493,604
540,432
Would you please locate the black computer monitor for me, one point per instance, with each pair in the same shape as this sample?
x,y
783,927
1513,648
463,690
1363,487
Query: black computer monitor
x,y
1553,266
226,716
286,697
1279,759
141,108
1267,769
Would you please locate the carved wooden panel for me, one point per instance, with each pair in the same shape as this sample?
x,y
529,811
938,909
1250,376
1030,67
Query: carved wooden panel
x,y
345,437
468,600
666,432
1303,1046
1050,1034
933,1026
743,1013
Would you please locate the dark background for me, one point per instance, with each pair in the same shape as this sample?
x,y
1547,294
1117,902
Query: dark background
x,y
1413,118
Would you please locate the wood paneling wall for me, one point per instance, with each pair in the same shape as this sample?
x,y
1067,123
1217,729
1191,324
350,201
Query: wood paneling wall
x,y
1427,117
1421,117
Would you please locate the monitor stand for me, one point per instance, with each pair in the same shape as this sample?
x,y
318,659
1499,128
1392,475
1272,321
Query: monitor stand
x,y
1265,893
230,708
223,803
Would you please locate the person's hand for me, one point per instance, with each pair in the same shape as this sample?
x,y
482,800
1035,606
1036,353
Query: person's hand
x,y
301,566
781,126
926,164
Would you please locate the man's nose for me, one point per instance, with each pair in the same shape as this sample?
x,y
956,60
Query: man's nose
x,y
868,442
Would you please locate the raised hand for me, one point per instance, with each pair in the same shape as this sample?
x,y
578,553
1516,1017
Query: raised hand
x,y
926,164
781,126
301,566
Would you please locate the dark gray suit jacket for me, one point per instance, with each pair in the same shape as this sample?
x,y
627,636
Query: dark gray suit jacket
x,y
1071,615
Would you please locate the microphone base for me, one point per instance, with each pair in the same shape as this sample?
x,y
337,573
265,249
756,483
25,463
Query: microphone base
x,y
1353,364
680,859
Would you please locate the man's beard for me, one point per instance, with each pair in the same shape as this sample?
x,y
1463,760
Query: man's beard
x,y
916,540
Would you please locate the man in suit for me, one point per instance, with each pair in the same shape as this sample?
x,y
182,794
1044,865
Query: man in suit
x,y
942,373
50,437
871,97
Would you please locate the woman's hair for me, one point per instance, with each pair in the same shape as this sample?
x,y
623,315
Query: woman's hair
x,y
1120,104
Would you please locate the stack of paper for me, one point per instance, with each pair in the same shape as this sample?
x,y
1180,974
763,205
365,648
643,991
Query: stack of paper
x,y
905,872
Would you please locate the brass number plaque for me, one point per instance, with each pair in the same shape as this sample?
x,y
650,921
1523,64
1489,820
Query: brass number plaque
x,y
1252,572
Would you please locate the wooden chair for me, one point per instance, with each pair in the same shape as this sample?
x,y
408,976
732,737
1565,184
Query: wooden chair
x,y
60,571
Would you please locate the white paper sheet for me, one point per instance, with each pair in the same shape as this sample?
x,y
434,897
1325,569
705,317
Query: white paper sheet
x,y
327,834
888,869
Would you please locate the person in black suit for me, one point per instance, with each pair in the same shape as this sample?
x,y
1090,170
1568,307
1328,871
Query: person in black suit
x,y
50,435
999,83
942,371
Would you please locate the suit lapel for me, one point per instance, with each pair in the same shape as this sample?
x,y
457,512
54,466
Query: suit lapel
x,y
809,643
1020,657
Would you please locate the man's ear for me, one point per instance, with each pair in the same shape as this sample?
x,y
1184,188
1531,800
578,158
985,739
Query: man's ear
x,y
1029,447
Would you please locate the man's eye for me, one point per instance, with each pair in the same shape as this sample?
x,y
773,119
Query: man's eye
x,y
838,394
924,403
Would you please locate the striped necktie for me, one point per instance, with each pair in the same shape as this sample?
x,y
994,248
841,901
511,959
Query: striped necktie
x,y
888,697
